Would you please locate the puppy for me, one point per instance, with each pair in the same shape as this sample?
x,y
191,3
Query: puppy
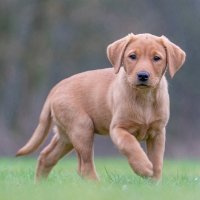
x,y
130,105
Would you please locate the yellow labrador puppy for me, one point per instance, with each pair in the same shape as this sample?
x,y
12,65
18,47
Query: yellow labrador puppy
x,y
130,105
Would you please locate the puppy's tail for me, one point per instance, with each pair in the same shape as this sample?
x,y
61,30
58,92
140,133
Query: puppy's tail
x,y
40,133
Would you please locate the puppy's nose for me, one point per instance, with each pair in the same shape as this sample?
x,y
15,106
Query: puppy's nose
x,y
143,76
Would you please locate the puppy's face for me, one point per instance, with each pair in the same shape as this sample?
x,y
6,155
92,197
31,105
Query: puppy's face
x,y
144,61
145,58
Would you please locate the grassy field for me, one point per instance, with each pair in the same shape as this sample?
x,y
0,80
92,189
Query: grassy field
x,y
181,180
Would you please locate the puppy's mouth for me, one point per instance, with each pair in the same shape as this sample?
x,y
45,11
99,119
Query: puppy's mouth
x,y
142,86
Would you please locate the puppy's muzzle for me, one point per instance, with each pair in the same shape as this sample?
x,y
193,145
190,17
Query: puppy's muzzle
x,y
143,77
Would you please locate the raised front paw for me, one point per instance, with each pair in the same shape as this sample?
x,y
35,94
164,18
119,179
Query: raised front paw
x,y
141,165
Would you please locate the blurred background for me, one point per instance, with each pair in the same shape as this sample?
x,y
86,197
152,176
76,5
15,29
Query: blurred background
x,y
45,41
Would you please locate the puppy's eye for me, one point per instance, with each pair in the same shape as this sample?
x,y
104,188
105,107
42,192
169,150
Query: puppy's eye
x,y
156,58
133,57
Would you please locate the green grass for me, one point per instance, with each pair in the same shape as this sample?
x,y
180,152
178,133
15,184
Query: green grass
x,y
181,180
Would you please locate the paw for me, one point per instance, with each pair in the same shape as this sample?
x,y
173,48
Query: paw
x,y
142,167
91,175
145,169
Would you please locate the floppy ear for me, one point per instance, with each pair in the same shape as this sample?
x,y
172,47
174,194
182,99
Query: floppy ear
x,y
115,51
175,56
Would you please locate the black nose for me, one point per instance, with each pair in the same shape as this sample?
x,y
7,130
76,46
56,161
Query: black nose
x,y
143,76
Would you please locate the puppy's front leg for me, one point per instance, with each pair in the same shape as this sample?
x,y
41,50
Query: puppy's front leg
x,y
155,152
131,148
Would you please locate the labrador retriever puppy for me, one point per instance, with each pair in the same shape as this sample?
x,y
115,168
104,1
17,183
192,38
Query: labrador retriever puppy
x,y
130,105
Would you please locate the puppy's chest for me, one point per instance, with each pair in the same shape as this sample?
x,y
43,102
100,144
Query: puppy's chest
x,y
145,124
142,132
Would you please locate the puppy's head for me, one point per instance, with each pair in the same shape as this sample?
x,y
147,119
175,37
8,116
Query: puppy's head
x,y
145,58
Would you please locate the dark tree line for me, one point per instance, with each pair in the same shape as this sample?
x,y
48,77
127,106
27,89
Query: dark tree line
x,y
44,41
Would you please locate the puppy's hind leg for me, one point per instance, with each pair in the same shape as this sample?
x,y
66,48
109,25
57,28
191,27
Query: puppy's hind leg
x,y
83,139
59,146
